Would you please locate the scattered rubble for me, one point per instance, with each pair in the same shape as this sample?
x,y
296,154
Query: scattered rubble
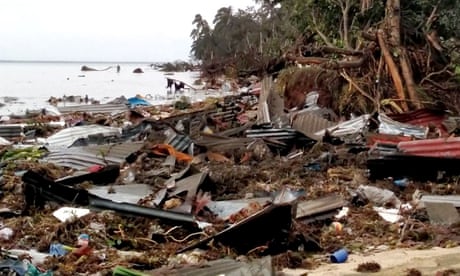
x,y
236,184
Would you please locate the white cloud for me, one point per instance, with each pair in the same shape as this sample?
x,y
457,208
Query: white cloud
x,y
136,30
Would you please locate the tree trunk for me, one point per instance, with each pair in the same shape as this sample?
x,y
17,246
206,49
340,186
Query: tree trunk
x,y
393,17
393,70
407,74
346,32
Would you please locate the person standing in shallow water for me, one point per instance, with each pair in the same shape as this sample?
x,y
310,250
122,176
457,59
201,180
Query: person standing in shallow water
x,y
118,68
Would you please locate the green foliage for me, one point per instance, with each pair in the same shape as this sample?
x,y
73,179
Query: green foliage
x,y
251,38
29,153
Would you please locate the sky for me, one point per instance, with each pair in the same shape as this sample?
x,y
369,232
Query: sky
x,y
103,30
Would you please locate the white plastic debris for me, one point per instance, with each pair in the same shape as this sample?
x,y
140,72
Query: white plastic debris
x,y
390,215
4,142
6,233
68,213
342,213
379,196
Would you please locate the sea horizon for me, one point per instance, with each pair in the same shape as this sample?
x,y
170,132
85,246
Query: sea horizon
x,y
84,61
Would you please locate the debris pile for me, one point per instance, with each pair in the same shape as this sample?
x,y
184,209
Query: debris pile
x,y
237,184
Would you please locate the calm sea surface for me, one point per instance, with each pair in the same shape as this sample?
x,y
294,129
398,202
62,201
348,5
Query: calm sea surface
x,y
33,83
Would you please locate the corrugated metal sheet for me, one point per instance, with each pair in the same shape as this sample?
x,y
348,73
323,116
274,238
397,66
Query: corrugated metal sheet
x,y
273,133
94,108
83,157
178,141
319,206
309,123
11,130
423,117
66,137
386,126
440,147
216,142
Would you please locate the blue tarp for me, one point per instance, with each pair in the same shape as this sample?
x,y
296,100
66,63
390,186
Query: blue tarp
x,y
135,101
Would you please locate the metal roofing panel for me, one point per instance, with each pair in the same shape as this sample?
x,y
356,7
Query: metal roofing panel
x,y
11,130
439,147
215,142
83,157
453,199
422,117
66,137
386,126
319,206
309,123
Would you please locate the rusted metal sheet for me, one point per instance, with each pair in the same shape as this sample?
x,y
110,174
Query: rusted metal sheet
x,y
387,139
309,123
423,117
94,108
83,157
439,147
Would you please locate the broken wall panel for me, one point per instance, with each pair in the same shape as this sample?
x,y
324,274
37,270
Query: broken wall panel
x,y
269,227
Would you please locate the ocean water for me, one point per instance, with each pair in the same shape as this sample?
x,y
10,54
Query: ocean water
x,y
33,83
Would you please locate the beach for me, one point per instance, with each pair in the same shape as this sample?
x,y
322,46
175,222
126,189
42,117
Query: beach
x,y
393,262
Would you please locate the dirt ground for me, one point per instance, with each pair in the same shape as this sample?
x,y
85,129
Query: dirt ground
x,y
435,261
